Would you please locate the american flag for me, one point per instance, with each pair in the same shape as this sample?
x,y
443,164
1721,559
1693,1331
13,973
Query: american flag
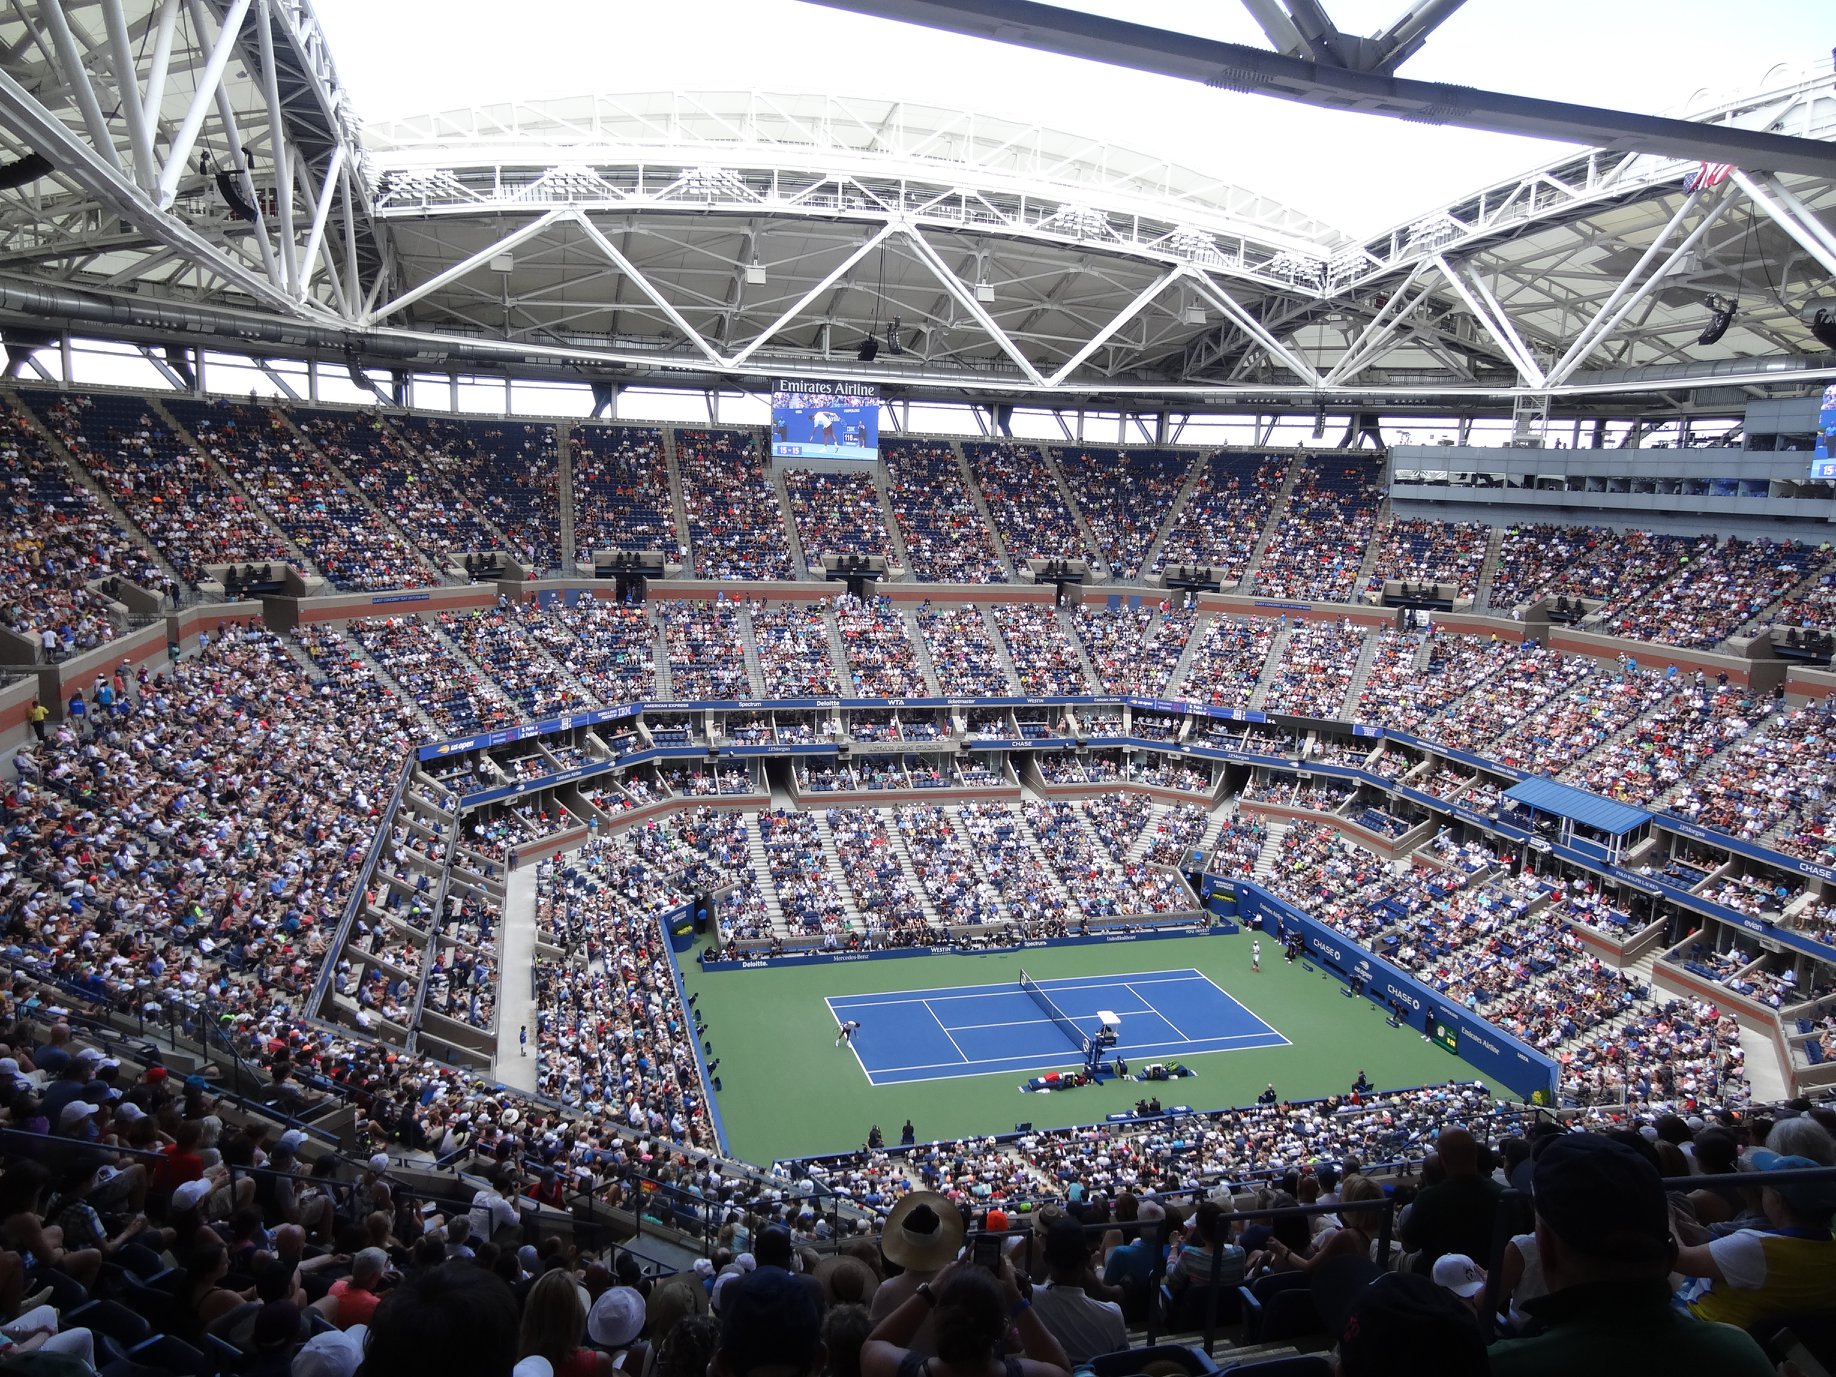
x,y
1707,175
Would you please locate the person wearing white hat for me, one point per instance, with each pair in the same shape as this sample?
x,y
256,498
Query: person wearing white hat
x,y
615,1323
73,1120
1465,1279
554,1327
333,1353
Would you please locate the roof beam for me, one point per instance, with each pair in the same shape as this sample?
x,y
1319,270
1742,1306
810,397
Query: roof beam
x,y
1122,317
280,151
1320,38
1492,320
76,79
1403,39
178,156
966,299
1791,215
76,160
1236,66
828,280
1252,327
644,285
1627,296
465,265
127,92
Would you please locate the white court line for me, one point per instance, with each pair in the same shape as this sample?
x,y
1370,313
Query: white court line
x,y
967,1061
1169,977
1164,1019
1008,988
997,1066
851,1047
1285,1041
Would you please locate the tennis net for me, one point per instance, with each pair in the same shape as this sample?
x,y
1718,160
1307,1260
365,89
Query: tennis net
x,y
1077,1035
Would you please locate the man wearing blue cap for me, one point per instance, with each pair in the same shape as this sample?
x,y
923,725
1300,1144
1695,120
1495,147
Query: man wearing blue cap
x,y
1788,1268
1603,1232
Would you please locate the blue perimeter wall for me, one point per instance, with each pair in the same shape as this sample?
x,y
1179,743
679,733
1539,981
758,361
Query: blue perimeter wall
x,y
1486,1049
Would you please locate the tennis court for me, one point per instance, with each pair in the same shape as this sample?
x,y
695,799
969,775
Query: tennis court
x,y
976,1030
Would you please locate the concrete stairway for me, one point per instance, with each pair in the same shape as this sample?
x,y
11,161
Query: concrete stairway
x,y
1278,646
564,494
1214,829
234,484
974,490
1270,854
788,520
838,653
761,868
1488,570
896,835
1067,625
678,508
333,467
659,656
361,652
1367,567
1200,466
1005,660
921,649
1091,547
1278,510
832,853
409,441
1176,681
1138,847
755,672
895,538
82,476
1360,672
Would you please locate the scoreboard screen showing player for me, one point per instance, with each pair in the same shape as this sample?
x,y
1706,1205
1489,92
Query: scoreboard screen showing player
x,y
825,420
1824,464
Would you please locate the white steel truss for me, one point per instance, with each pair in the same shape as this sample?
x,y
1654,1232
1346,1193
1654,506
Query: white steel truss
x,y
200,149
680,236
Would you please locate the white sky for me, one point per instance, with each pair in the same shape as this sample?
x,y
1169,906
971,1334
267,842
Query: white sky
x,y
1357,173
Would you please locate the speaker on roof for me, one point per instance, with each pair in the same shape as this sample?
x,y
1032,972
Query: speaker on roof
x,y
869,350
1721,315
231,193
1822,322
24,171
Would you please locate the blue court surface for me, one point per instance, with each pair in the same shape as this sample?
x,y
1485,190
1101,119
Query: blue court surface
x,y
973,1030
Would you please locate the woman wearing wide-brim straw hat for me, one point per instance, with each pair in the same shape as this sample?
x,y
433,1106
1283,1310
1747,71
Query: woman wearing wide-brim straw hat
x,y
923,1235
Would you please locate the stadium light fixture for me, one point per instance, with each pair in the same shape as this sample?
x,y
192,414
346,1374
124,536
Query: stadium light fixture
x,y
755,273
1195,313
984,290
503,263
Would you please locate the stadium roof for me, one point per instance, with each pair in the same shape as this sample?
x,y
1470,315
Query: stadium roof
x,y
723,238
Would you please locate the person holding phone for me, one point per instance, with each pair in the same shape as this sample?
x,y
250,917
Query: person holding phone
x,y
972,1309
